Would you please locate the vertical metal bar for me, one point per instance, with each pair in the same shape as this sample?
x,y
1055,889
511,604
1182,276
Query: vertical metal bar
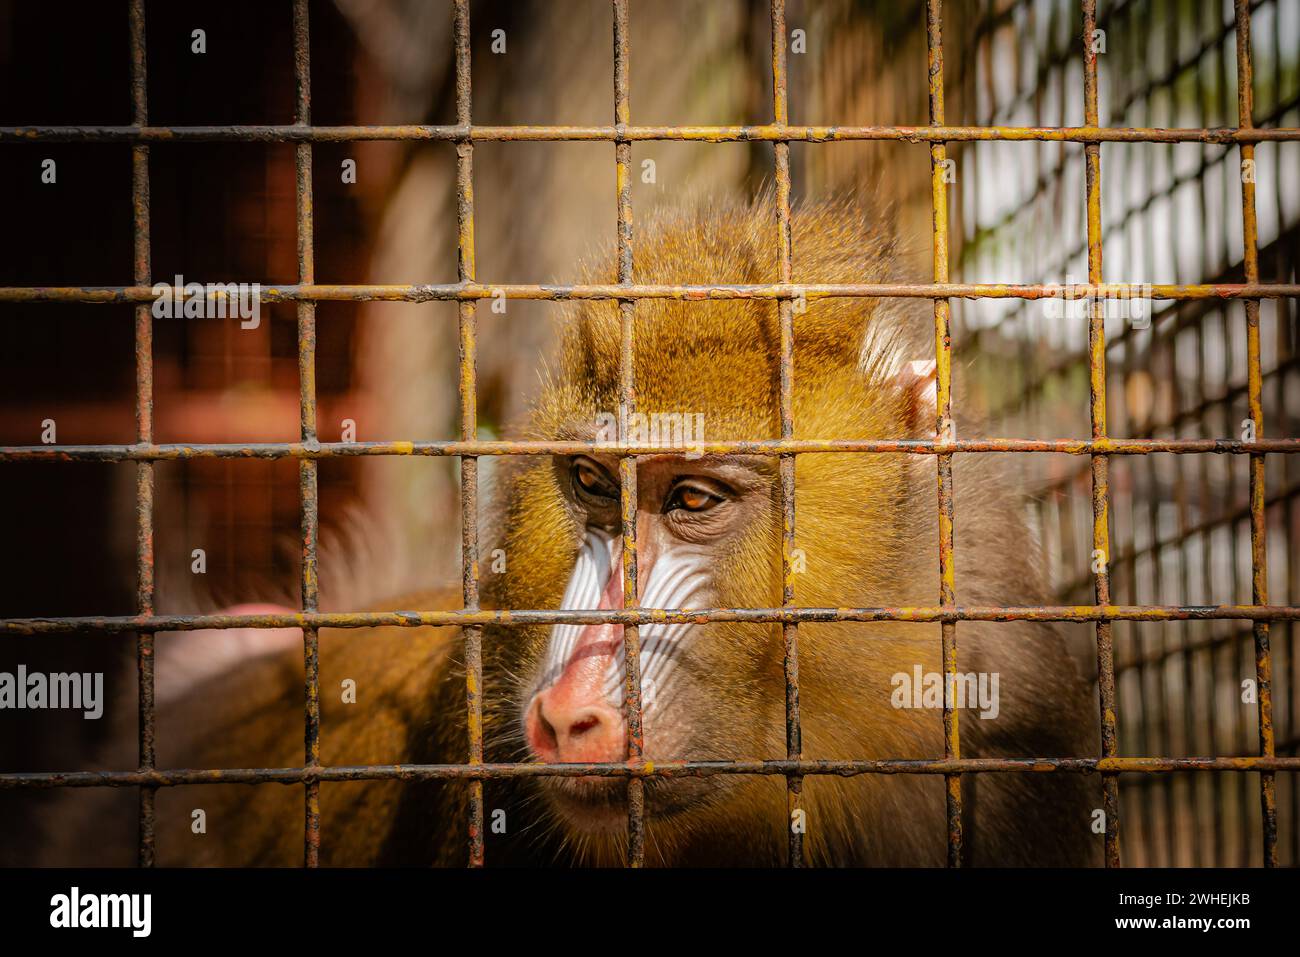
x,y
1284,260
627,464
1229,794
785,312
943,421
1234,832
144,472
1100,463
1254,387
307,476
468,388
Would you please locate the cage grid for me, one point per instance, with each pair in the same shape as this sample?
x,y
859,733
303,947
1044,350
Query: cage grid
x,y
1181,524
1098,449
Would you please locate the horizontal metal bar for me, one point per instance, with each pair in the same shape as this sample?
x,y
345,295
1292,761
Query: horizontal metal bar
x,y
40,780
765,447
112,624
702,134
463,292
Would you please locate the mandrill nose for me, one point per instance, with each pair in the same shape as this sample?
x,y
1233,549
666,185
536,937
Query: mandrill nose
x,y
561,730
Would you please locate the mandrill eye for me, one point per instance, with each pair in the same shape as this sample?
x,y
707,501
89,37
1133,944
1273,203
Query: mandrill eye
x,y
592,482
691,498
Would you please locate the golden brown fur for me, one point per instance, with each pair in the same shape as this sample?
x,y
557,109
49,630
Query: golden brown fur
x,y
866,524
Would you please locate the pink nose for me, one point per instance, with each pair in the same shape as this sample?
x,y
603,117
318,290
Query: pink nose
x,y
572,720
563,730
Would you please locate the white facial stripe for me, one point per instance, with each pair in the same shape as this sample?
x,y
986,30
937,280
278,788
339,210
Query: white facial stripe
x,y
680,587
587,583
676,580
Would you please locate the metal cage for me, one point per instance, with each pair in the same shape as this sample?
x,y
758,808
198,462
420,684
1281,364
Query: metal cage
x,y
1105,454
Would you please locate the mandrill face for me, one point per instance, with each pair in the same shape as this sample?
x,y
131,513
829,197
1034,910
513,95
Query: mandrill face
x,y
708,527
695,517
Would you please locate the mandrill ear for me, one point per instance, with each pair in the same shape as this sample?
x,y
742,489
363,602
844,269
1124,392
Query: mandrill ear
x,y
920,395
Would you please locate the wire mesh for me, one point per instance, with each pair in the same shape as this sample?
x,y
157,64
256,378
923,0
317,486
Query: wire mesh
x,y
1108,456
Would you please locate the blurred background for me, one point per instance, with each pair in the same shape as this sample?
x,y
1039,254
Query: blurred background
x,y
225,212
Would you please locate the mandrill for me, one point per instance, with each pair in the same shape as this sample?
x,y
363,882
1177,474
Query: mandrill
x,y
708,536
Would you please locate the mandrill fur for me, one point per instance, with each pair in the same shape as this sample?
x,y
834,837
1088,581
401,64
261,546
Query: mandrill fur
x,y
708,536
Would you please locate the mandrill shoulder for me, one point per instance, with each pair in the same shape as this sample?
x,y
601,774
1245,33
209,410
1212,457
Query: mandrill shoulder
x,y
229,700
378,697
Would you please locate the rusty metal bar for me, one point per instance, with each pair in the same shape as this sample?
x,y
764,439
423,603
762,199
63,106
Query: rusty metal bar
x,y
467,318
796,819
466,292
44,780
468,388
554,292
144,475
1236,794
307,468
627,465
1258,526
110,624
764,447
611,134
1287,353
943,422
1100,463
